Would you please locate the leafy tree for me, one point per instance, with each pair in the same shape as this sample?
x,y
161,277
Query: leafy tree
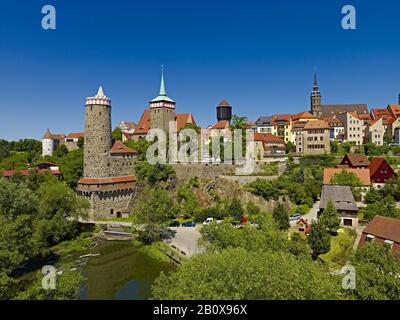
x,y
71,166
188,200
385,207
281,217
373,195
59,199
252,208
141,145
67,288
152,209
81,142
212,212
290,147
335,147
330,218
377,273
61,151
319,240
117,134
153,174
392,188
298,246
239,274
346,178
235,209
238,122
16,200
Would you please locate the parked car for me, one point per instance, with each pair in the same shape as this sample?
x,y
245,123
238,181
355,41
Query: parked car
x,y
175,224
189,224
295,217
208,221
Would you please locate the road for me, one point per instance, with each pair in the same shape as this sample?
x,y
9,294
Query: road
x,y
186,240
311,216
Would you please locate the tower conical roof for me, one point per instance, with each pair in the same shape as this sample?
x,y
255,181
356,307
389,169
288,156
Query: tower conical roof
x,y
224,103
163,94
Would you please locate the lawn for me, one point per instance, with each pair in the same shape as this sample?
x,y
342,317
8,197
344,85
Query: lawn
x,y
341,249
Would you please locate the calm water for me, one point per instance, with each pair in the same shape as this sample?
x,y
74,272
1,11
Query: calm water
x,y
121,272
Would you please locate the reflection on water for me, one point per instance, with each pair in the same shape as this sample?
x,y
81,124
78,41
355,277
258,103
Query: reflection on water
x,y
121,272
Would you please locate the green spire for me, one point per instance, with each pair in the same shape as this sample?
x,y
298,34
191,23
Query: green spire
x,y
163,95
162,86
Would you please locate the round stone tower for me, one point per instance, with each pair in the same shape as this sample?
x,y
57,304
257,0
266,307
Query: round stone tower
x,y
97,136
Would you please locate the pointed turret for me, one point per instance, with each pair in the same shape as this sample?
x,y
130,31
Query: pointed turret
x,y
163,95
100,93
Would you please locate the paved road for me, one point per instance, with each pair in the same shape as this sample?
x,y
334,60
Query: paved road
x,y
311,216
186,240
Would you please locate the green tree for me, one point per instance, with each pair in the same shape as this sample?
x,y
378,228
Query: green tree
x,y
67,288
330,218
61,151
238,122
152,209
290,147
16,200
281,217
377,272
117,134
71,166
238,274
319,240
385,207
81,142
140,146
252,208
152,174
235,209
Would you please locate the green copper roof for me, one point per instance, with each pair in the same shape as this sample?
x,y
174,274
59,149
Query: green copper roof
x,y
163,95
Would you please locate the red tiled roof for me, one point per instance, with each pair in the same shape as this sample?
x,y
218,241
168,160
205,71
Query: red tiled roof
x,y
25,172
281,117
394,109
267,137
223,124
372,122
317,124
119,147
385,228
144,123
182,119
303,115
362,174
76,135
357,159
364,116
92,181
375,164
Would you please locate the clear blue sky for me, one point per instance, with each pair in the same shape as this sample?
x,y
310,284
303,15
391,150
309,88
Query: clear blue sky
x,y
259,55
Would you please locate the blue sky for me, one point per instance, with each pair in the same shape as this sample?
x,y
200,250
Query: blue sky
x,y
259,55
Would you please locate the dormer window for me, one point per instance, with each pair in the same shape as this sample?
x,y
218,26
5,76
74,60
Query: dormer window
x,y
370,238
389,243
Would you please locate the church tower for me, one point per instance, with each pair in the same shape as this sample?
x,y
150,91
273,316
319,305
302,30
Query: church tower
x,y
97,136
316,98
162,109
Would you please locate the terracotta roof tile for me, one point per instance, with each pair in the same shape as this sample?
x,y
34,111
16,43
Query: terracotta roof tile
x,y
362,174
375,164
357,159
385,228
223,124
144,123
267,137
317,124
93,181
120,148
75,135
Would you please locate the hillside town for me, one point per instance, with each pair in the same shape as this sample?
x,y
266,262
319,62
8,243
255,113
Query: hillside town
x,y
324,181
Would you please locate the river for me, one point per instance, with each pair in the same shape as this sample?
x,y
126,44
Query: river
x,y
121,272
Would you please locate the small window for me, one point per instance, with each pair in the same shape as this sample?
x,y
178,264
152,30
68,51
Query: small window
x,y
370,238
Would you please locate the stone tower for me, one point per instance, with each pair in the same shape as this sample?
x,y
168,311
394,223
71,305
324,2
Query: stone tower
x,y
97,136
224,111
316,99
162,109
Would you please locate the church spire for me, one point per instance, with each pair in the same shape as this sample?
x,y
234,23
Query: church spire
x,y
315,78
162,86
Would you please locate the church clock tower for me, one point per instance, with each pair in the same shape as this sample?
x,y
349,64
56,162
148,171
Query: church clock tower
x,y
162,109
316,99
